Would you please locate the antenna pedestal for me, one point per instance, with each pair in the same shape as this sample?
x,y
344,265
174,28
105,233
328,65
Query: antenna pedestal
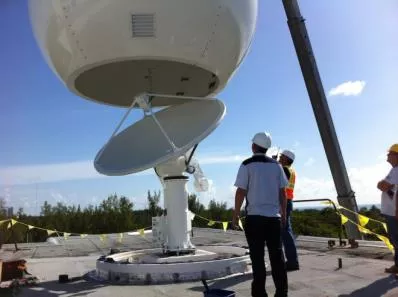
x,y
176,222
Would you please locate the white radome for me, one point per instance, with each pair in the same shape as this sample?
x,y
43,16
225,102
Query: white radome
x,y
110,51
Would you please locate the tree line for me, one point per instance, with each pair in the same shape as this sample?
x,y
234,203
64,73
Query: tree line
x,y
116,214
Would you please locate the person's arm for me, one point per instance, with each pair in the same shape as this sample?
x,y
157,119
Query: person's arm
x,y
283,205
241,183
282,195
287,172
239,197
396,201
384,186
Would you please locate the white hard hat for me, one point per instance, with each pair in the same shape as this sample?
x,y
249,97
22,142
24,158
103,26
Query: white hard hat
x,y
288,154
262,139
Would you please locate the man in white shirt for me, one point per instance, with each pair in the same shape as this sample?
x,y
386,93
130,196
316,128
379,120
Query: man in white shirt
x,y
389,203
262,182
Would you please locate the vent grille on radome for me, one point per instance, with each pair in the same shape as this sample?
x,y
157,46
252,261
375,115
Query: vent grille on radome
x,y
143,25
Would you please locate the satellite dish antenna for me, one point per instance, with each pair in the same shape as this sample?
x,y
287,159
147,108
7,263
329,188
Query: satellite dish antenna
x,y
175,54
159,137
165,140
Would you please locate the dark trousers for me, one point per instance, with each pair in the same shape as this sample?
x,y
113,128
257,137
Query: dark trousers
x,y
392,228
288,239
259,231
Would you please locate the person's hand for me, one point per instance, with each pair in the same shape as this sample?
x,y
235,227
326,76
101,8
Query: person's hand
x,y
235,219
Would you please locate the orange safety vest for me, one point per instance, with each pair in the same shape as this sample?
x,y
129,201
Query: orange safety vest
x,y
289,190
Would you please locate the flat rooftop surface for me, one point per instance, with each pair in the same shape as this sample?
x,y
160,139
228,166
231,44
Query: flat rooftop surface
x,y
362,273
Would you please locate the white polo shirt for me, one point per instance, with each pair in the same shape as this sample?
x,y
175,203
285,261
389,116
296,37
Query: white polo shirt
x,y
387,203
262,177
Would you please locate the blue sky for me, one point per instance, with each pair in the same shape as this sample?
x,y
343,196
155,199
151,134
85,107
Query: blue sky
x,y
50,136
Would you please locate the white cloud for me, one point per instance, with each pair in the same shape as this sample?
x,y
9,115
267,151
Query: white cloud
x,y
365,179
308,188
363,182
309,162
58,197
30,200
44,173
7,195
207,160
348,88
94,200
31,174
273,150
220,194
382,157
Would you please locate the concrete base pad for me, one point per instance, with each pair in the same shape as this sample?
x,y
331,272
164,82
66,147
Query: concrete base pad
x,y
151,266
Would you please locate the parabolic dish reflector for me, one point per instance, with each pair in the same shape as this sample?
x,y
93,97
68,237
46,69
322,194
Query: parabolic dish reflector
x,y
143,145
